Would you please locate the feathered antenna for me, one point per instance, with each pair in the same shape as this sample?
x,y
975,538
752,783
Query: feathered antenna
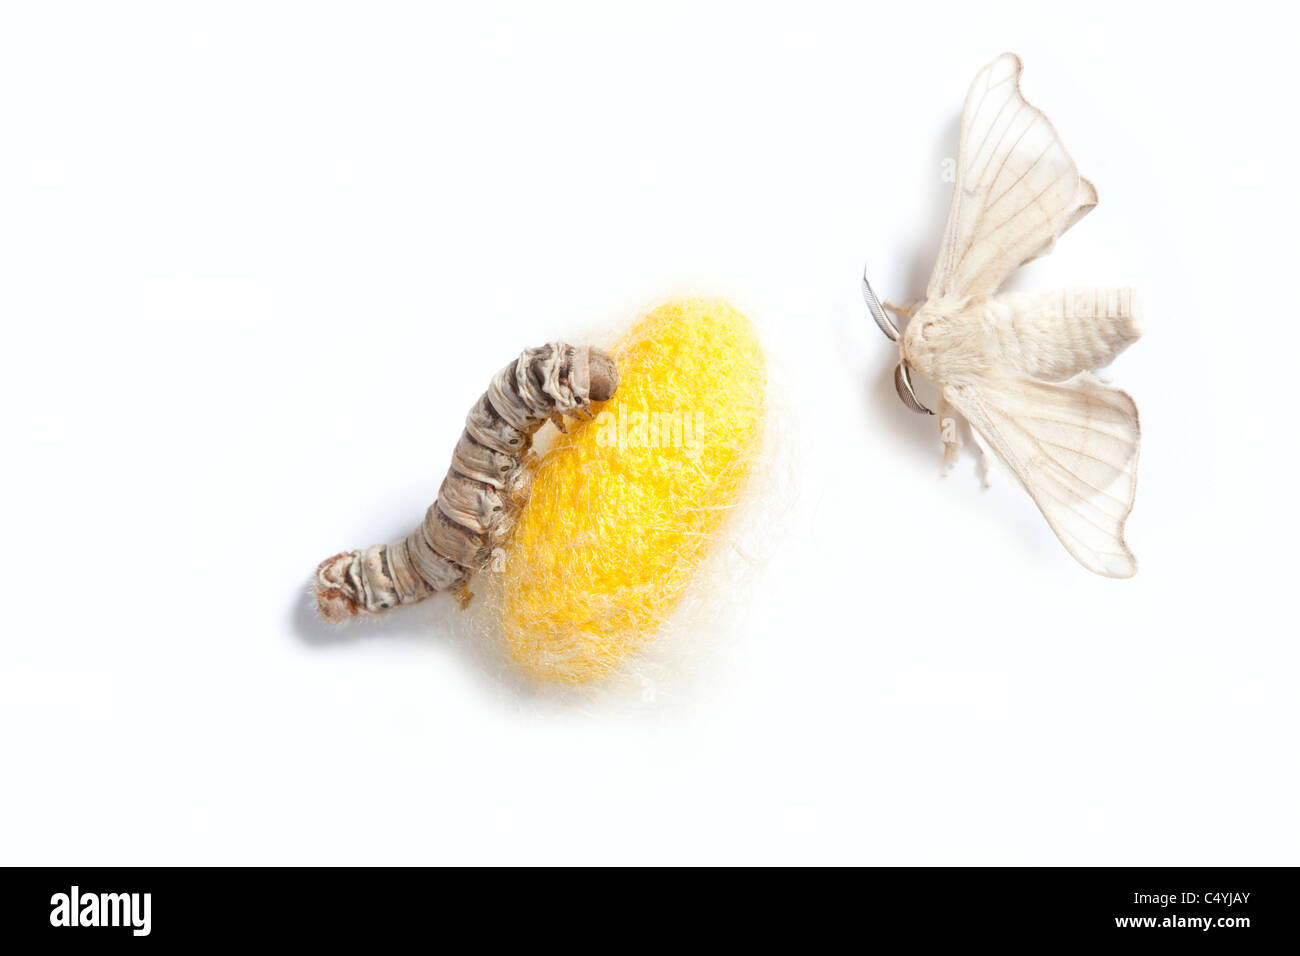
x,y
902,374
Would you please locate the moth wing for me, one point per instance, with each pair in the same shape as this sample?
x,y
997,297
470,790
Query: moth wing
x,y
1074,447
1017,188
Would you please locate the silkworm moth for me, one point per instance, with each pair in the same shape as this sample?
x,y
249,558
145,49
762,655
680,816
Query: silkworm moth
x,y
483,489
1018,366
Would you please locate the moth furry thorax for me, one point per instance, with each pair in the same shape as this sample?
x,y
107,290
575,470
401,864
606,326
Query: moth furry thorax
x,y
1018,366
949,338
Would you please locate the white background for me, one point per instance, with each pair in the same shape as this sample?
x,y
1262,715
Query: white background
x,y
257,260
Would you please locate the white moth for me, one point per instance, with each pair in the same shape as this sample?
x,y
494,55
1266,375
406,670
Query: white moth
x,y
1018,366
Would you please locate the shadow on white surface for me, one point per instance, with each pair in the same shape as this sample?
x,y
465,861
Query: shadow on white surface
x,y
437,622
436,619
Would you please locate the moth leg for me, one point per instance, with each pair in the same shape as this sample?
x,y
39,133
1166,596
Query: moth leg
x,y
987,462
949,434
904,310
463,596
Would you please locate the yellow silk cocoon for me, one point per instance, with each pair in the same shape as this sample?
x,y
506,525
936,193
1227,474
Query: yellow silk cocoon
x,y
624,509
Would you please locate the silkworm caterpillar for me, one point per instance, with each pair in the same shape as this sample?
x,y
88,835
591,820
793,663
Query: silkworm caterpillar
x,y
482,491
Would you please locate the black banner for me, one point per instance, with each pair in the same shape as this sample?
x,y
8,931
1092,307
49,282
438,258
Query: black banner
x,y
1225,908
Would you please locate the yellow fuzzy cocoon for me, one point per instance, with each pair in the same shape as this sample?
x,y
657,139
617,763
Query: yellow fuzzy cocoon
x,y
624,508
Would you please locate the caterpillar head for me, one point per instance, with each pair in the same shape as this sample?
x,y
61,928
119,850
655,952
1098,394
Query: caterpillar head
x,y
593,374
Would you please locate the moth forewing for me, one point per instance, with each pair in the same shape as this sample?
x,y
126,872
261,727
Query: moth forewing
x,y
1017,188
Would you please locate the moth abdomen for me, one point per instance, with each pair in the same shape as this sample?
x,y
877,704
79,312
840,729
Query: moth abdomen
x,y
473,511
1055,335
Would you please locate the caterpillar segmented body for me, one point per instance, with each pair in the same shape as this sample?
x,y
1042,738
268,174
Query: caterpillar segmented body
x,y
484,487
